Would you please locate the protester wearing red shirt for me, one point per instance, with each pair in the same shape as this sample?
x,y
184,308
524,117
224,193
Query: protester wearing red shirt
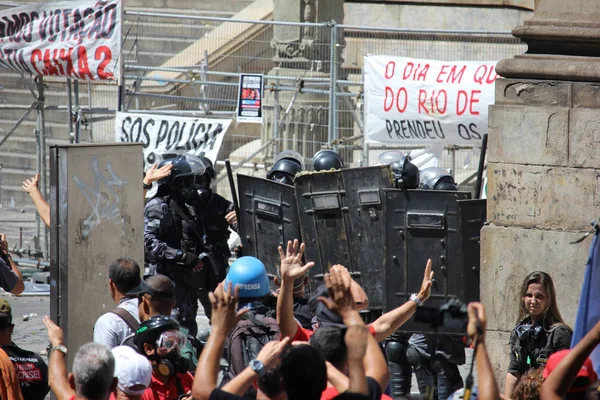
x,y
160,340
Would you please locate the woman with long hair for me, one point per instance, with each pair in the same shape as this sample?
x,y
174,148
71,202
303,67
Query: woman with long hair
x,y
540,329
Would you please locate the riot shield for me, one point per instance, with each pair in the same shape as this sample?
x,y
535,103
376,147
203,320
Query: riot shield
x,y
472,218
341,220
422,225
268,218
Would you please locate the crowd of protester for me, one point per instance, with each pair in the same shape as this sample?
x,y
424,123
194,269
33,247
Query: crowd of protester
x,y
148,355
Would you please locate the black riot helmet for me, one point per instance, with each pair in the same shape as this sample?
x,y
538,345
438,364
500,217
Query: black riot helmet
x,y
285,167
151,329
324,160
182,180
210,169
405,173
435,178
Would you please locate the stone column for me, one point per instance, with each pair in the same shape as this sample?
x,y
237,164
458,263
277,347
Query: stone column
x,y
543,165
302,52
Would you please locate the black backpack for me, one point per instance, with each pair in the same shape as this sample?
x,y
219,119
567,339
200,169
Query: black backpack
x,y
247,339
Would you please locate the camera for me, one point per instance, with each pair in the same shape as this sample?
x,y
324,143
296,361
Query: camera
x,y
450,317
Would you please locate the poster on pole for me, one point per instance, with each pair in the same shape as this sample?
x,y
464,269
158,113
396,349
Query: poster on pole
x,y
250,96
75,39
414,101
166,136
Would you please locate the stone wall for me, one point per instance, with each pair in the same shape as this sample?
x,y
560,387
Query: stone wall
x,y
543,191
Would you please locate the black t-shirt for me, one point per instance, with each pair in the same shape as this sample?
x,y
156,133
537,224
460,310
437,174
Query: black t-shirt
x,y
533,352
31,370
219,394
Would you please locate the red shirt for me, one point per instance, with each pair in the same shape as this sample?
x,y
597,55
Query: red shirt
x,y
160,391
303,334
330,392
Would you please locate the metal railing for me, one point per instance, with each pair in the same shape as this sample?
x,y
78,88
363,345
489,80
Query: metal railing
x,y
190,65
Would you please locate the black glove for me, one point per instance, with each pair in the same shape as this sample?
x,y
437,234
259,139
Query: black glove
x,y
190,260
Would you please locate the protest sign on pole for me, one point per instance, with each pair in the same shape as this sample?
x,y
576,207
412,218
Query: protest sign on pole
x,y
166,136
250,95
414,101
79,40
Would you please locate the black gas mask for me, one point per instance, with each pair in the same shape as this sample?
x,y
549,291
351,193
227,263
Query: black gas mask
x,y
184,188
167,356
202,185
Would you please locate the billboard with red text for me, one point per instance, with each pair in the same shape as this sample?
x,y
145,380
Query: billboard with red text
x,y
415,101
76,39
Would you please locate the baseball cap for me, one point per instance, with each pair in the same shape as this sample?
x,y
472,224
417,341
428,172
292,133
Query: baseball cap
x,y
133,370
5,312
156,286
585,377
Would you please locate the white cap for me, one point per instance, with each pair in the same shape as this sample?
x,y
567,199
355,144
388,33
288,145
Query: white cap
x,y
131,369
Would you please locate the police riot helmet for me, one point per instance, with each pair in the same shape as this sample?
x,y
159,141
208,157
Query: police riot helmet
x,y
250,276
183,166
405,173
436,178
151,329
324,160
285,167
210,169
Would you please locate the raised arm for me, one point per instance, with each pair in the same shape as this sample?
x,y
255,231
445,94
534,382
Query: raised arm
x,y
268,356
57,364
224,318
486,382
291,268
43,208
557,384
389,322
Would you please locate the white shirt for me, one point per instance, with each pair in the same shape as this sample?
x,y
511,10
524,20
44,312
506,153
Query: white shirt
x,y
110,329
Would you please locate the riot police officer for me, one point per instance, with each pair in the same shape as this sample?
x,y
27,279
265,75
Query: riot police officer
x,y
285,167
324,160
405,173
185,235
206,235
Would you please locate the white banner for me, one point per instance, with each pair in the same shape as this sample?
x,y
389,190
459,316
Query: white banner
x,y
77,39
413,101
166,136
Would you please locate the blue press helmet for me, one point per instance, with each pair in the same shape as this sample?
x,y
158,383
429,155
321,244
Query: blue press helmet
x,y
250,276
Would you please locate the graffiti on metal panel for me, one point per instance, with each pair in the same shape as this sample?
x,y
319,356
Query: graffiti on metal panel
x,y
105,202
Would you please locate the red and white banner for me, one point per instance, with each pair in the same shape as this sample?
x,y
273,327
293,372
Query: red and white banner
x,y
416,101
77,39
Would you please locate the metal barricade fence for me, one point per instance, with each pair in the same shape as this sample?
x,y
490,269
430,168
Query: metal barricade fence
x,y
191,65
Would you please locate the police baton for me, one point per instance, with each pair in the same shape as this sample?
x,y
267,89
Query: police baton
x,y
236,205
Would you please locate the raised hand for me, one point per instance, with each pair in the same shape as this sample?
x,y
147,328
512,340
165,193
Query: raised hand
x,y
425,291
154,173
270,353
31,184
340,298
224,310
291,267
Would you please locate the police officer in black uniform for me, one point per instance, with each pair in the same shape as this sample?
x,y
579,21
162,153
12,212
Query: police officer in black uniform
x,y
285,167
185,235
206,235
